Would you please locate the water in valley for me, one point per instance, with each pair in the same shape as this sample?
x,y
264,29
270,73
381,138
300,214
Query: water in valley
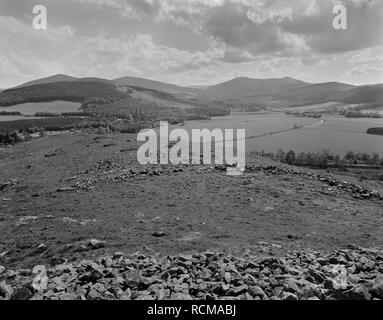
x,y
335,133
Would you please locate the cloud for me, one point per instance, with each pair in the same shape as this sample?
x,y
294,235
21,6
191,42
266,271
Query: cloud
x,y
13,26
139,50
275,36
59,50
364,27
370,55
8,68
261,27
365,70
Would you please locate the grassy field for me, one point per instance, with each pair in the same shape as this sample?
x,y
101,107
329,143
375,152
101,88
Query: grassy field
x,y
50,124
30,108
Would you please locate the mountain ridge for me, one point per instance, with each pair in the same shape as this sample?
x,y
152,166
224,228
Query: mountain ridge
x,y
287,91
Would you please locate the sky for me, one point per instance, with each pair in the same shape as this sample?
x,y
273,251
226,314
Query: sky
x,y
192,42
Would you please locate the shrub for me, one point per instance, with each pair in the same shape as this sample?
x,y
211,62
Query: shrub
x,y
290,157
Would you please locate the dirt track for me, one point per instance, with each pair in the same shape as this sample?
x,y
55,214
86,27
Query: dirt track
x,y
193,209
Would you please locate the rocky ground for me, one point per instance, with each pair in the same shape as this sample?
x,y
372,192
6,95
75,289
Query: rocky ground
x,y
80,196
352,273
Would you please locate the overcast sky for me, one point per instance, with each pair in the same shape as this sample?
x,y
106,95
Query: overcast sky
x,y
192,42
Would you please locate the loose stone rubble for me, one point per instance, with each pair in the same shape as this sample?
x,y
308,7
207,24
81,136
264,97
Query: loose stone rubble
x,y
6,184
85,185
108,174
354,190
353,273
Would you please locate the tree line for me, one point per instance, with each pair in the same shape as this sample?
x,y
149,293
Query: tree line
x,y
323,159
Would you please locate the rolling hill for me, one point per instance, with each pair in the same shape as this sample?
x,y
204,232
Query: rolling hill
x,y
76,91
316,93
241,87
364,94
156,85
51,79
333,92
287,92
284,92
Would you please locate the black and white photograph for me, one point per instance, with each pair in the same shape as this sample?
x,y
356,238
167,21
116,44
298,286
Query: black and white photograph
x,y
207,151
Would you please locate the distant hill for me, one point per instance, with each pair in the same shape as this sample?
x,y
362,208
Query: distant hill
x,y
198,87
291,92
61,78
76,91
240,87
321,92
284,92
334,91
363,94
156,85
55,78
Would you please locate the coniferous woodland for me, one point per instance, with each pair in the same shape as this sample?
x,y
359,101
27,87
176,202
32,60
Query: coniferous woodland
x,y
106,114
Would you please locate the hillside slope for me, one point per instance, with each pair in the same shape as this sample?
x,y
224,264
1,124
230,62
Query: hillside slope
x,y
365,94
76,91
240,87
284,92
51,79
67,189
288,92
156,85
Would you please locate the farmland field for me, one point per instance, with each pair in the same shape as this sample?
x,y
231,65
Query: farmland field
x,y
32,107
327,106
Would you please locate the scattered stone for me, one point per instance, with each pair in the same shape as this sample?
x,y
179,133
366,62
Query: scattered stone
x,y
159,234
109,145
377,289
180,296
118,255
257,291
25,272
288,296
26,220
24,293
237,290
303,274
5,290
96,244
85,185
53,153
132,278
41,247
11,274
354,190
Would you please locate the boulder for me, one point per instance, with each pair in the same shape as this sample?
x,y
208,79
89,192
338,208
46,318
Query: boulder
x,y
95,244
377,289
